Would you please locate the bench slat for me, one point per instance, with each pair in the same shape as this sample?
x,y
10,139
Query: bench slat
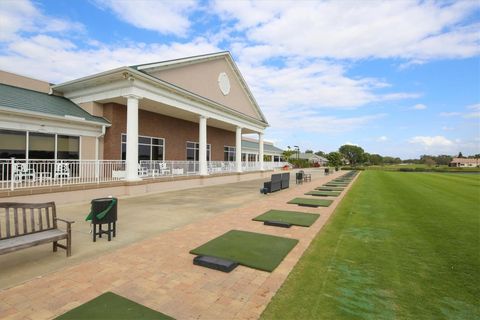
x,y
32,219
30,240
24,216
40,221
7,222
15,220
47,214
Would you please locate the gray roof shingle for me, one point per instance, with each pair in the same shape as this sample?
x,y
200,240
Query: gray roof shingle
x,y
266,147
33,101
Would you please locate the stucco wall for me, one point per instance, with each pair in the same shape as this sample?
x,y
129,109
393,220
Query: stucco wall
x,y
176,133
202,78
20,81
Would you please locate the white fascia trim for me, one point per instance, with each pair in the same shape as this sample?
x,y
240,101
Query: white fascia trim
x,y
67,118
23,123
87,78
180,62
163,95
245,87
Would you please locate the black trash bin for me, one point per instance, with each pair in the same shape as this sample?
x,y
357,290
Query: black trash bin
x,y
299,177
106,208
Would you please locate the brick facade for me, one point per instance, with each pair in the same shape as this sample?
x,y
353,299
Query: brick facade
x,y
176,133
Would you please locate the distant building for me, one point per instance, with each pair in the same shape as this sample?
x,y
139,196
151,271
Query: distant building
x,y
312,158
465,162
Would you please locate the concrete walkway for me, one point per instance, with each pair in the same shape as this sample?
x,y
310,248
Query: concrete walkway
x,y
140,217
158,271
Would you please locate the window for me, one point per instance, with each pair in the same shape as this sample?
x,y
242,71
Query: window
x,y
276,158
229,153
13,144
149,148
41,145
68,147
244,157
193,150
252,157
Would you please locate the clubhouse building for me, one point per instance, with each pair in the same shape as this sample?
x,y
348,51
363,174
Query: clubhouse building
x,y
173,118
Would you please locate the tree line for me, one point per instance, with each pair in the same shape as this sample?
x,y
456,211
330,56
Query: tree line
x,y
355,155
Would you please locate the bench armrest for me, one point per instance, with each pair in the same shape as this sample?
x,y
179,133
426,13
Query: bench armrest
x,y
66,221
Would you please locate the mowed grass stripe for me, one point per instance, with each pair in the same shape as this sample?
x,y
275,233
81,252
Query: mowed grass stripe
x,y
302,219
399,246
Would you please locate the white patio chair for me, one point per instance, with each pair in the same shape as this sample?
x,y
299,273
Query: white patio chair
x,y
163,168
21,171
62,170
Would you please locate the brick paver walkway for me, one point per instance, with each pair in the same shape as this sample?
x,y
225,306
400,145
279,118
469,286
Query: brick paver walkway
x,y
159,272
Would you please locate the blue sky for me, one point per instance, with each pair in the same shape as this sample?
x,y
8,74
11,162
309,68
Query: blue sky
x,y
399,78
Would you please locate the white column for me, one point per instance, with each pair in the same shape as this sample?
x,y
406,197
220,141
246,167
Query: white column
x,y
203,146
132,138
238,149
260,150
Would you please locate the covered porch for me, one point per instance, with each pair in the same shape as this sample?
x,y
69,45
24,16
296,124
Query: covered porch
x,y
150,145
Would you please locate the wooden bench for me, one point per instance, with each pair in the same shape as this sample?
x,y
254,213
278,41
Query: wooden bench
x,y
24,225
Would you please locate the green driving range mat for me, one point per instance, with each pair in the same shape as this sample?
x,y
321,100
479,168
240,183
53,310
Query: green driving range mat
x,y
343,185
293,217
311,202
111,306
323,193
340,189
254,250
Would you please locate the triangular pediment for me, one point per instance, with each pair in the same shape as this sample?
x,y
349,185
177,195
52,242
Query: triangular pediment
x,y
215,77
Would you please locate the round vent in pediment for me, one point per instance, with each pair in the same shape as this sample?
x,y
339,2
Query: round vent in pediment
x,y
224,83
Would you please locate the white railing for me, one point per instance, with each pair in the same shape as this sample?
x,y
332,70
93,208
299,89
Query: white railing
x,y
18,174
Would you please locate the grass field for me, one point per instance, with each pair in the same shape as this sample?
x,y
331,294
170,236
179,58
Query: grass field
x,y
399,246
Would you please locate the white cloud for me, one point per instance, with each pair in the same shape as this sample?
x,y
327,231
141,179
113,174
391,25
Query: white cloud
x,y
411,30
419,106
167,17
56,60
382,139
445,128
22,16
319,84
450,114
351,144
474,107
428,141
472,115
